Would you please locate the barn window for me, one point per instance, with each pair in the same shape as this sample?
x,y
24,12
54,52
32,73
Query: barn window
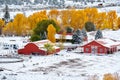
x,y
87,49
101,50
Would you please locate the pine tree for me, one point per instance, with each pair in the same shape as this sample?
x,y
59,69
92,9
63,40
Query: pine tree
x,y
84,34
77,37
99,34
7,15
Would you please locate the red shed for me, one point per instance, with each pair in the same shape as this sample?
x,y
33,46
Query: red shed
x,y
36,48
101,46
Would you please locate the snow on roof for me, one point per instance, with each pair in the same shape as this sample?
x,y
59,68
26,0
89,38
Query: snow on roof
x,y
58,36
108,42
41,42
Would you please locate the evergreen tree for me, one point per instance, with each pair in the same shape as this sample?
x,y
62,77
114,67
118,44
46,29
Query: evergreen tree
x,y
77,37
7,15
99,34
84,34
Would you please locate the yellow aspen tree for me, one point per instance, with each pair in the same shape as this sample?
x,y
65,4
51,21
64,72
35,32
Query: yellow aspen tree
x,y
118,23
65,16
35,18
2,23
78,19
53,14
51,33
91,14
112,19
100,20
9,29
20,24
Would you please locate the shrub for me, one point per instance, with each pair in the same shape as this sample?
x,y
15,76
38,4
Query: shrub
x,y
69,29
49,47
108,77
35,37
89,26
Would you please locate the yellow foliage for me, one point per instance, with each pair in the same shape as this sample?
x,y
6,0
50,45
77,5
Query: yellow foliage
x,y
35,18
51,33
2,23
20,24
109,77
101,20
118,23
112,19
53,14
78,19
9,29
91,14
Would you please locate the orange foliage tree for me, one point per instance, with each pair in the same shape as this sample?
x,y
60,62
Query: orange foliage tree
x,y
78,19
9,29
20,24
118,22
51,33
53,14
112,19
2,23
35,18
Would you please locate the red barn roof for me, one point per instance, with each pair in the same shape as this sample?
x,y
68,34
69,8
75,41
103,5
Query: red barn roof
x,y
37,47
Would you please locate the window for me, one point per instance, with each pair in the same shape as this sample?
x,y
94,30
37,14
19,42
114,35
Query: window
x,y
87,49
101,50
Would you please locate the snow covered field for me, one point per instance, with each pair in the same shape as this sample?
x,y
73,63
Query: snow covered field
x,y
64,66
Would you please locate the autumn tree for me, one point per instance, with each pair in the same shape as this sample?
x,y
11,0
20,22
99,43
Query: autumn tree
x,y
53,14
51,33
1,25
9,29
78,19
101,20
65,16
36,18
118,22
112,19
20,24
91,14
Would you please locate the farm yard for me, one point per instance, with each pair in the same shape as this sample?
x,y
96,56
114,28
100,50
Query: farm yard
x,y
75,41
63,65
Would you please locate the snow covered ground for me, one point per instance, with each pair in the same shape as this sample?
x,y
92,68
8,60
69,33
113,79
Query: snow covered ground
x,y
64,66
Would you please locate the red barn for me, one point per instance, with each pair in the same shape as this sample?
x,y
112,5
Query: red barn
x,y
36,48
101,46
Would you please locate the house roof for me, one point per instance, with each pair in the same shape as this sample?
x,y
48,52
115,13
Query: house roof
x,y
68,36
106,42
41,43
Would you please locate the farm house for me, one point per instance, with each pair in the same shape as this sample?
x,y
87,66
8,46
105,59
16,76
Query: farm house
x,y
101,46
36,48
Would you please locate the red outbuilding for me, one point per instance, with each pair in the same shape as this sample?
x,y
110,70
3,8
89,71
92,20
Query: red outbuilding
x,y
101,46
36,48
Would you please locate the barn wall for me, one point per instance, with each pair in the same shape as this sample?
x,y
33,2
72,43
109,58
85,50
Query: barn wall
x,y
100,48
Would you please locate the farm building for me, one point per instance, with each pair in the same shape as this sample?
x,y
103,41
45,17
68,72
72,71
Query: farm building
x,y
67,37
101,46
36,48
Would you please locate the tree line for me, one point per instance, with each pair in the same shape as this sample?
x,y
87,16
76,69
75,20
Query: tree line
x,y
77,19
